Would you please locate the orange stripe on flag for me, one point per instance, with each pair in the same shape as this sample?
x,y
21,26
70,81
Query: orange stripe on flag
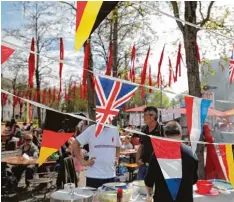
x,y
87,21
45,152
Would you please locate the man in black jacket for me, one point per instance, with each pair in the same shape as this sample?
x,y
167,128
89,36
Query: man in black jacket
x,y
145,149
154,176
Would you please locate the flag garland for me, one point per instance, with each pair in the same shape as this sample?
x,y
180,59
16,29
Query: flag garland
x,y
159,77
61,66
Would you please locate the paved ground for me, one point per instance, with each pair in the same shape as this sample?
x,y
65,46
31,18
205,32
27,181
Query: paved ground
x,y
23,195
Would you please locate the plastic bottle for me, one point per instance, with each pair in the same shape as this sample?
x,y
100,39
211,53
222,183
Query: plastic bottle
x,y
119,195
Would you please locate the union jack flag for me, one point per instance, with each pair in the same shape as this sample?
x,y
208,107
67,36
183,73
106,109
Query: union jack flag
x,y
110,97
231,67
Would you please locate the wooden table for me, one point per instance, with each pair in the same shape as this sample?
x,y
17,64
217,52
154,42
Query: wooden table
x,y
19,160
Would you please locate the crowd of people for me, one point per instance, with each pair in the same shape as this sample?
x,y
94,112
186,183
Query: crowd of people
x,y
100,155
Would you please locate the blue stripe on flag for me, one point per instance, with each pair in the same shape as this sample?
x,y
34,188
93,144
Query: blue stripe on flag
x,y
173,185
205,104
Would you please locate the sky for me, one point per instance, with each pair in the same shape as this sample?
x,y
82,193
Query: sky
x,y
167,34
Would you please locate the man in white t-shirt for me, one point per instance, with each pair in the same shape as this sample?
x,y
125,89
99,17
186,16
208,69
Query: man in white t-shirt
x,y
103,154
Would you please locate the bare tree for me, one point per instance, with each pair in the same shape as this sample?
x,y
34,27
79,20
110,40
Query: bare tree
x,y
41,22
190,35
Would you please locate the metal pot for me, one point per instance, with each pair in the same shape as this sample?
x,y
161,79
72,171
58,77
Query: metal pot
x,y
72,195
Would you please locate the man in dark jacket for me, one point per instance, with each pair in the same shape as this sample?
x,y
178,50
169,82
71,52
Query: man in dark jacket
x,y
154,176
145,149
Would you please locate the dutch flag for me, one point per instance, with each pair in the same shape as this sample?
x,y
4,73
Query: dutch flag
x,y
196,112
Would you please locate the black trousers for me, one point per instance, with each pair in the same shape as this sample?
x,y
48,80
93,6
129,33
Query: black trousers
x,y
18,171
95,182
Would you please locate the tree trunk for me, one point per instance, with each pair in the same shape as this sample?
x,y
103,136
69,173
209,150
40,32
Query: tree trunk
x,y
115,43
194,85
115,51
91,89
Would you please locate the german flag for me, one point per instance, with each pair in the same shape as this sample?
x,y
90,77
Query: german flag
x,y
227,162
58,128
89,14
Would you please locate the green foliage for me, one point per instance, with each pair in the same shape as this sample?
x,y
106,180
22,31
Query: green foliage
x,y
153,99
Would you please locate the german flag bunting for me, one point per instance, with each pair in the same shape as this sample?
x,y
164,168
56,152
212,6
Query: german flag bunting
x,y
89,14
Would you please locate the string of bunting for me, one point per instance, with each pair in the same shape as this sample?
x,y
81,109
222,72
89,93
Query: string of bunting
x,y
108,125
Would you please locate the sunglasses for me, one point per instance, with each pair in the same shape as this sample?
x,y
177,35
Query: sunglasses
x,y
28,140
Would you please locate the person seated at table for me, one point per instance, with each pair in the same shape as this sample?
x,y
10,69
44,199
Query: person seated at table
x,y
126,145
32,151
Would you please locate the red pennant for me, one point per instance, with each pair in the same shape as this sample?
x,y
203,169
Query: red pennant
x,y
6,52
15,99
44,96
61,65
81,92
31,65
74,92
54,95
197,52
3,99
49,96
143,73
178,63
159,67
150,80
132,71
110,58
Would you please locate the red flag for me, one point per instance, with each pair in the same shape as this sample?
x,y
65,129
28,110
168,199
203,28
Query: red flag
x,y
6,52
197,52
74,92
144,70
81,91
3,98
44,96
150,80
49,95
132,71
178,63
54,95
159,67
31,65
110,58
61,65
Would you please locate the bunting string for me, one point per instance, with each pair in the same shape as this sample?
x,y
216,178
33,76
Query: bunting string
x,y
36,104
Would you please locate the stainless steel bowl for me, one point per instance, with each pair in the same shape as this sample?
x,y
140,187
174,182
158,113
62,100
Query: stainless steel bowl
x,y
72,195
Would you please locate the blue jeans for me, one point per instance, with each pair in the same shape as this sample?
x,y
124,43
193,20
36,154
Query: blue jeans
x,y
142,172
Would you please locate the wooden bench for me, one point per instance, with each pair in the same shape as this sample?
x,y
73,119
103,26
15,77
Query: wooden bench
x,y
131,168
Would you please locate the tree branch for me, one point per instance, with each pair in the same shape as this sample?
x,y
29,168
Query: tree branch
x,y
177,14
200,11
64,2
204,21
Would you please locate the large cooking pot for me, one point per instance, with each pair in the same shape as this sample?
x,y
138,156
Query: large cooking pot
x,y
72,195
